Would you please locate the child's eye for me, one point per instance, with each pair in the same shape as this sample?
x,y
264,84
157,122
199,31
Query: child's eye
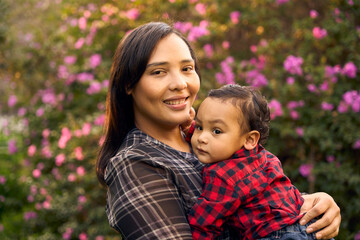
x,y
217,131
198,127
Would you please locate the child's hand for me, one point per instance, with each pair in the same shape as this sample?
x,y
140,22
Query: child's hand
x,y
185,126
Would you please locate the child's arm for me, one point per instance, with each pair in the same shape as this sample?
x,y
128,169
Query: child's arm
x,y
218,201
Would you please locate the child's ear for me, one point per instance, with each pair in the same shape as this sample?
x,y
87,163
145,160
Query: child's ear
x,y
251,140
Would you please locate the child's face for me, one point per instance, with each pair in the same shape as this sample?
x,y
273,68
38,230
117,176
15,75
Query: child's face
x,y
218,134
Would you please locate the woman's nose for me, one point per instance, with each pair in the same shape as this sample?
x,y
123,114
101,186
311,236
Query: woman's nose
x,y
178,82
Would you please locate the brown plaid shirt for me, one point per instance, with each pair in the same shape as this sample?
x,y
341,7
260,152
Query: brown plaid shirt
x,y
151,189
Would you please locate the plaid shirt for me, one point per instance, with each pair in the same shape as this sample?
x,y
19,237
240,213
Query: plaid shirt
x,y
249,192
151,189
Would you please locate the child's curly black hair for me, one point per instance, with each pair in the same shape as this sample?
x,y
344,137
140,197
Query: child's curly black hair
x,y
252,104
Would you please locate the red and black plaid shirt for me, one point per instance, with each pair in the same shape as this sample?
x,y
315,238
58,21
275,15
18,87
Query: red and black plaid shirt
x,y
249,192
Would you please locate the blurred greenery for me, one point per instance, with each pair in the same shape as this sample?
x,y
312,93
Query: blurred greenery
x,y
55,58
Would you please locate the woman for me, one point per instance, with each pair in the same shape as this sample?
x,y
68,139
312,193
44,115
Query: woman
x,y
152,177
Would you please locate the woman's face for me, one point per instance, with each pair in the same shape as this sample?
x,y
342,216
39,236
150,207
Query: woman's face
x,y
168,87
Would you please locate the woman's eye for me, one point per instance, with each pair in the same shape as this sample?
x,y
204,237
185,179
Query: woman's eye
x,y
188,69
216,131
157,72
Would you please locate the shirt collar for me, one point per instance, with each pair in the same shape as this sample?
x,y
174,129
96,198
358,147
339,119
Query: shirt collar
x,y
250,159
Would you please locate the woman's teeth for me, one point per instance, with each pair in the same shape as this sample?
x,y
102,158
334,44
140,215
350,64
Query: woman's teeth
x,y
175,102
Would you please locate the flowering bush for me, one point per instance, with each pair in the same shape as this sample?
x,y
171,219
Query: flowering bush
x,y
303,55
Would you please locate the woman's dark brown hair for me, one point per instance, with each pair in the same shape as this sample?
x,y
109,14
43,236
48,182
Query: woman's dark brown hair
x,y
251,103
129,64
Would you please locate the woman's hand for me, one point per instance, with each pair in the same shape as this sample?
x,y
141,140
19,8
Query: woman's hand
x,y
321,203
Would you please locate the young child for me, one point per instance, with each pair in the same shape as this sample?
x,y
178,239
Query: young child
x,y
243,184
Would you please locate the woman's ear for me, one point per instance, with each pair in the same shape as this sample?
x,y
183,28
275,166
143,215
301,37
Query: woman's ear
x,y
251,140
128,91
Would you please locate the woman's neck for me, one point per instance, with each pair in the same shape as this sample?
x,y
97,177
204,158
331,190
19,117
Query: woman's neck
x,y
171,136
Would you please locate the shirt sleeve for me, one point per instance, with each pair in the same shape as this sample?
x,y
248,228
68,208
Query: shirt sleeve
x,y
143,202
218,201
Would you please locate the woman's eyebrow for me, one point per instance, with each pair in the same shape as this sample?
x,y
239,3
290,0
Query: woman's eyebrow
x,y
165,63
156,64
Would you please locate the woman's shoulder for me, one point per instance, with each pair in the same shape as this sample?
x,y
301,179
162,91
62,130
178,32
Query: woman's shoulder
x,y
141,150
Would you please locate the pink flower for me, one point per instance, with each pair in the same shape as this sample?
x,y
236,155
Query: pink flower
x,y
65,137
351,3
356,144
2,180
83,77
80,171
227,76
12,100
95,60
59,159
71,177
83,236
293,64
343,107
46,204
319,33
22,111
324,86
225,44
29,215
31,150
314,14
200,8
183,27
46,133
327,106
101,140
290,80
132,14
79,43
294,114
349,70
70,60
48,96
86,129
256,79
100,120
305,169
82,199
352,98
78,153
209,51
234,16
275,109
39,112
67,234
299,131
12,146
330,158
197,32
36,173
94,87
281,1
82,23
312,87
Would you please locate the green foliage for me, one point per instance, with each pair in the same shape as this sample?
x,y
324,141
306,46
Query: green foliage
x,y
55,58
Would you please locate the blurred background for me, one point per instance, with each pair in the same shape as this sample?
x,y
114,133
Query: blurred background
x,y
55,59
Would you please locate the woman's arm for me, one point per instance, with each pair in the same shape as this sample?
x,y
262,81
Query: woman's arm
x,y
321,203
144,203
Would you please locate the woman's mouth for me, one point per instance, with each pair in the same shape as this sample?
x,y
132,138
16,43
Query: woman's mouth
x,y
176,102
